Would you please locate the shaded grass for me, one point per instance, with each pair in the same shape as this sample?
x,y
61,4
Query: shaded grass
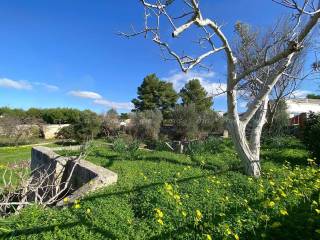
x,y
205,182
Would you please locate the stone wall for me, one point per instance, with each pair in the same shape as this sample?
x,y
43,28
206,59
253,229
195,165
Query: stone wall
x,y
86,176
49,131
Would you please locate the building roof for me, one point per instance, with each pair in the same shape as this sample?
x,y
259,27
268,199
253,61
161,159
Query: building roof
x,y
303,100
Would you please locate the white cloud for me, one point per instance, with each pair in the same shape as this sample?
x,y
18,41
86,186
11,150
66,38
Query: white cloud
x,y
179,79
47,86
9,83
300,93
115,105
85,94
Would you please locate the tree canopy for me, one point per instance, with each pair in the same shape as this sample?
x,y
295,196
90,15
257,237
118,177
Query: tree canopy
x,y
194,93
154,94
313,96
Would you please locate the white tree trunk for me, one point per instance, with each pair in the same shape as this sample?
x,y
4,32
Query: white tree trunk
x,y
250,160
249,151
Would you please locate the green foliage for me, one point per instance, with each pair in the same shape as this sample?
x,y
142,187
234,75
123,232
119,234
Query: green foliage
x,y
278,123
87,127
313,96
126,150
210,122
185,121
311,134
61,115
162,195
49,115
211,145
194,93
154,94
66,133
146,125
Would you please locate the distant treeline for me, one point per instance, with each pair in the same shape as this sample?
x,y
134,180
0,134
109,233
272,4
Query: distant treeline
x,y
48,115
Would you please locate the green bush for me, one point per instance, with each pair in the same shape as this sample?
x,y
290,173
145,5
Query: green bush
x,y
126,150
66,133
87,127
311,134
211,145
146,125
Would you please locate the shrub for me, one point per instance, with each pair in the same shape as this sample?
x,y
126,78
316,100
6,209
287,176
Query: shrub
x,y
210,122
211,145
185,122
146,125
277,124
312,133
110,125
87,127
126,150
66,133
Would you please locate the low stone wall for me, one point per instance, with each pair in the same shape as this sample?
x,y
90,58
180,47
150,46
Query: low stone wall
x,y
86,176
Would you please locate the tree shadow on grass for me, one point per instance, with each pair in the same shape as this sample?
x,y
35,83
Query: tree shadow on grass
x,y
297,225
300,223
286,155
82,220
206,166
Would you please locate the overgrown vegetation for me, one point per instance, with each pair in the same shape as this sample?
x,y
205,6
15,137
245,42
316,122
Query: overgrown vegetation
x,y
162,195
311,133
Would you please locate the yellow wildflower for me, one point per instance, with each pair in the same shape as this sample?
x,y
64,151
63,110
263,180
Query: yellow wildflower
x,y
77,206
160,221
265,217
159,213
236,236
208,237
283,212
184,214
168,187
176,197
271,204
228,231
66,200
198,215
88,210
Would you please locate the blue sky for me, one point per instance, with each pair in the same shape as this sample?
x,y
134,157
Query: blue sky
x,y
67,54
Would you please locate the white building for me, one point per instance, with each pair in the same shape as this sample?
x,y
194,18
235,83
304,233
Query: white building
x,y
302,105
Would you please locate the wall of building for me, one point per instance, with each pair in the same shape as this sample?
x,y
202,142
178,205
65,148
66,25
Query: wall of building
x,y
298,106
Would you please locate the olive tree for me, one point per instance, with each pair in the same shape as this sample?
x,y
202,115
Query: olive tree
x,y
307,14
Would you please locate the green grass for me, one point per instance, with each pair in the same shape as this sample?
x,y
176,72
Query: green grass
x,y
11,158
162,195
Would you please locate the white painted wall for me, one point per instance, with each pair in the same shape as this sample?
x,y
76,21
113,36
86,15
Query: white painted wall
x,y
298,106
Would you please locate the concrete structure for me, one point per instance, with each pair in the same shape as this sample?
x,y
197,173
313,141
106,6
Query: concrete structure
x,y
86,176
299,105
49,131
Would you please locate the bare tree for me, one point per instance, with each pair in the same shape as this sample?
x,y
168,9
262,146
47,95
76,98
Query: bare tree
x,y
44,186
251,47
16,128
110,123
306,18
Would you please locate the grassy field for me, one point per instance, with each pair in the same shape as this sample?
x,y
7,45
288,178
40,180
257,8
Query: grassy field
x,y
162,195
16,159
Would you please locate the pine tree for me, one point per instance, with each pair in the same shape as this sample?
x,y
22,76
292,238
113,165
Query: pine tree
x,y
194,93
154,94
